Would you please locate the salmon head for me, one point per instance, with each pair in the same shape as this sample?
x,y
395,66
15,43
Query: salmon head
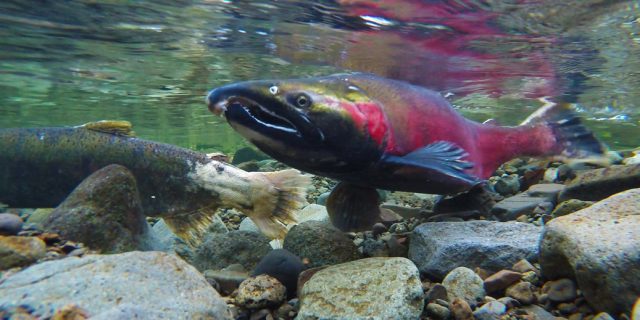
x,y
321,125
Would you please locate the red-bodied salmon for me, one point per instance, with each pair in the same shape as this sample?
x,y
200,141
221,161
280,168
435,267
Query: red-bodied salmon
x,y
381,133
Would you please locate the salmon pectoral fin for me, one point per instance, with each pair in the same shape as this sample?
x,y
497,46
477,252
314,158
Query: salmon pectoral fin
x,y
442,158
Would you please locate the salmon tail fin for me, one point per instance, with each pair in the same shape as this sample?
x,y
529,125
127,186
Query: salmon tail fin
x,y
191,226
574,141
275,215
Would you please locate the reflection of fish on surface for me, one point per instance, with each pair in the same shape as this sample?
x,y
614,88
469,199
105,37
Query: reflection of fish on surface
x,y
380,133
462,45
39,167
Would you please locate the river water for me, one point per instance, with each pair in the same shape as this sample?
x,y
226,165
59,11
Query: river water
x,y
64,63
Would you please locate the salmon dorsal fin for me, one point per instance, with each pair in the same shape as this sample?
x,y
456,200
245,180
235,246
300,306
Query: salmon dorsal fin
x,y
115,127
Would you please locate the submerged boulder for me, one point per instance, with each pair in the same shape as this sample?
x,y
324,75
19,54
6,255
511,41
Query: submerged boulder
x,y
221,250
597,184
320,243
600,247
439,247
104,212
144,285
372,288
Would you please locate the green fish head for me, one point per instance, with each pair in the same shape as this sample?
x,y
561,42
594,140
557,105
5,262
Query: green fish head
x,y
315,124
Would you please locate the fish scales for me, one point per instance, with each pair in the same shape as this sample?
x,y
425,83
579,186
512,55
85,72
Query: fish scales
x,y
39,167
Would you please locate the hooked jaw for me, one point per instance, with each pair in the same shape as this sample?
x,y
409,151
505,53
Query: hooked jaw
x,y
262,114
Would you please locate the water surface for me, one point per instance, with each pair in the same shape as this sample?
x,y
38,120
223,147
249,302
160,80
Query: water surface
x,y
151,62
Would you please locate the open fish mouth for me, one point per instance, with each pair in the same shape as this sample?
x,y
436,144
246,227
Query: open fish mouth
x,y
243,107
260,114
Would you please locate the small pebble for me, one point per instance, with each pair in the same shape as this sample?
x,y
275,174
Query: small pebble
x,y
531,277
576,316
501,280
436,292
286,311
10,224
490,311
378,229
437,311
523,266
603,316
322,199
561,290
260,292
262,314
443,303
522,292
461,310
508,185
567,308
463,283
482,273
509,302
282,265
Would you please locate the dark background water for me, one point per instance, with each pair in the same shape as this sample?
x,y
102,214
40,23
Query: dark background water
x,y
152,62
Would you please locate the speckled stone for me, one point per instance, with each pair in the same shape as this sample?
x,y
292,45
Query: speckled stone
x,y
261,292
20,251
104,212
439,247
382,288
220,250
603,239
132,285
463,283
320,243
282,265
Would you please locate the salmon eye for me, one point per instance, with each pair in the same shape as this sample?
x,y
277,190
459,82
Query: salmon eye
x,y
303,101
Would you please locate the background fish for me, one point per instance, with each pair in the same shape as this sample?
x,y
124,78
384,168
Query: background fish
x,y
39,167
387,134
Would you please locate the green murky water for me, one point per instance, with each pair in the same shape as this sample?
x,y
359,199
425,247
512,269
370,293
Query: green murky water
x,y
152,62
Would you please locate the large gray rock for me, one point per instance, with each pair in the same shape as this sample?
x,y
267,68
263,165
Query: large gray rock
x,y
524,203
597,184
372,288
145,285
320,243
104,212
600,247
439,247
221,250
